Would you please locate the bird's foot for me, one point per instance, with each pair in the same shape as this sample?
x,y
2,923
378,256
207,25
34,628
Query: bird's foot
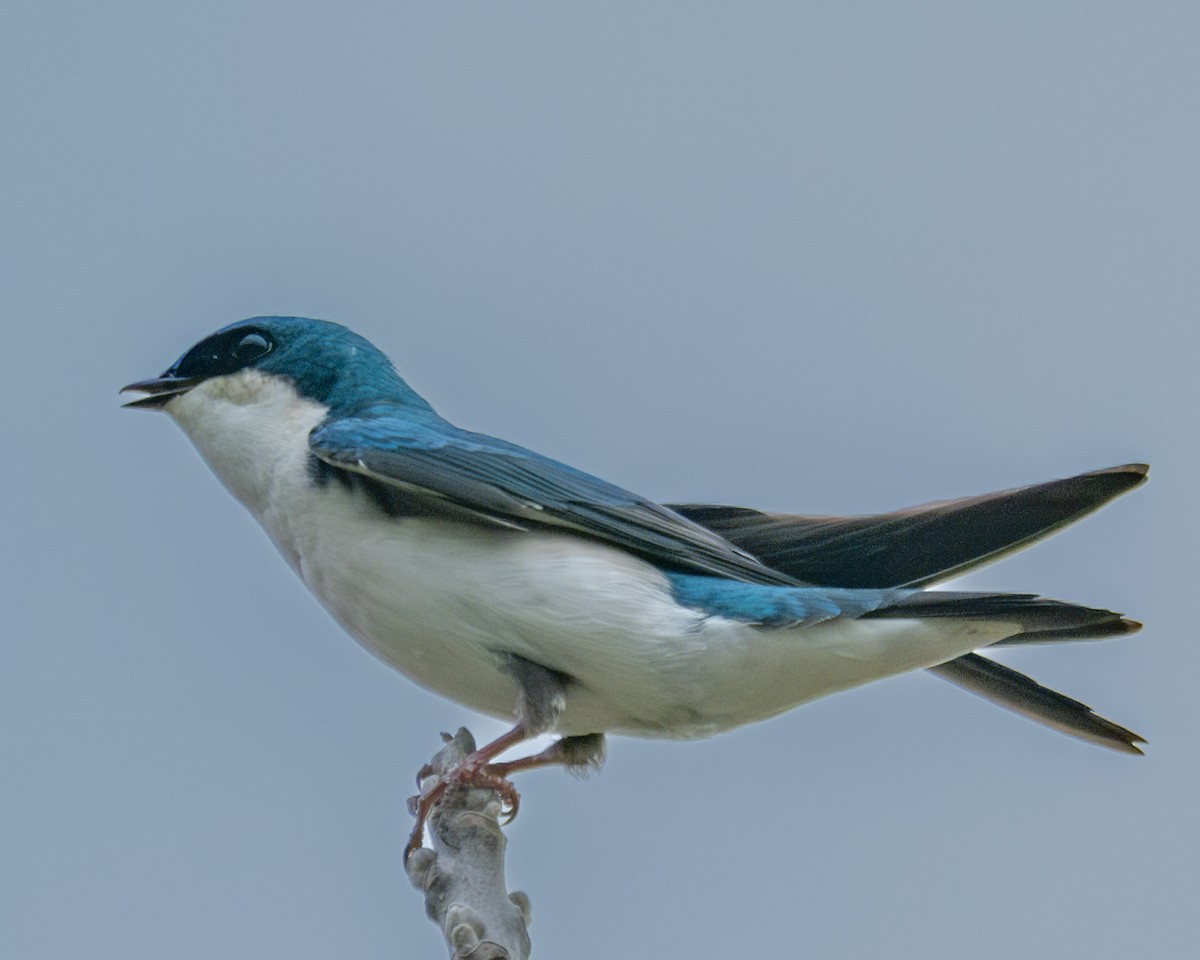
x,y
473,771
478,769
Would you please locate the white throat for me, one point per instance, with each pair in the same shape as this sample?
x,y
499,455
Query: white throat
x,y
248,426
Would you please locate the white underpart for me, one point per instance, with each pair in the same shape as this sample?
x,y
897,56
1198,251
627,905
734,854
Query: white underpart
x,y
442,602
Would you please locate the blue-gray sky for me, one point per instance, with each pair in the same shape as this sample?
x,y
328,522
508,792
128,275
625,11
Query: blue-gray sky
x,y
829,258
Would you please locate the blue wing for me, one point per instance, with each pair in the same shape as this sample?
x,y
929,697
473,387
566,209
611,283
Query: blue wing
x,y
434,467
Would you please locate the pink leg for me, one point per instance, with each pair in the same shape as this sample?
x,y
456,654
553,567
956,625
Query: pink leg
x,y
474,771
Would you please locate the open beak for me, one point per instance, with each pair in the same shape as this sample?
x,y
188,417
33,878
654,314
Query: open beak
x,y
158,391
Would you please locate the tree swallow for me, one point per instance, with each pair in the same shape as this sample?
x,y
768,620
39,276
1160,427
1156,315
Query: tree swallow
x,y
529,590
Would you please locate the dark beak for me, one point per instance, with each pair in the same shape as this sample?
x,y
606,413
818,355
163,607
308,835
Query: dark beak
x,y
159,391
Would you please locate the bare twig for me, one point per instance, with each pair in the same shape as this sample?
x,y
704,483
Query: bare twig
x,y
462,876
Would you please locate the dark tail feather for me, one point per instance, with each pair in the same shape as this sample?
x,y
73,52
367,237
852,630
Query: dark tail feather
x,y
1037,619
1100,631
1014,691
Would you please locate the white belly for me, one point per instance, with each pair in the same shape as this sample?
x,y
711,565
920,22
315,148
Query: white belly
x,y
442,602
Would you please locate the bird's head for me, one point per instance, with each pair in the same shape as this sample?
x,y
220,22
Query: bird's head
x,y
322,362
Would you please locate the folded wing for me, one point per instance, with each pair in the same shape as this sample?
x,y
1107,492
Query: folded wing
x,y
918,546
428,466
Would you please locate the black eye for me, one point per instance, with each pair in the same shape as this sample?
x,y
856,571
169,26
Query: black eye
x,y
250,348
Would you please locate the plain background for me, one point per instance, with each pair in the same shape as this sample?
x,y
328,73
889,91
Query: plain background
x,y
823,258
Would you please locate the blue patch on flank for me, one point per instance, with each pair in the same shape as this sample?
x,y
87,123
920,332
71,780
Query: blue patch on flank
x,y
772,606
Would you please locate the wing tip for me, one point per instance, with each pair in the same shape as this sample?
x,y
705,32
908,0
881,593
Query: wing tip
x,y
1131,474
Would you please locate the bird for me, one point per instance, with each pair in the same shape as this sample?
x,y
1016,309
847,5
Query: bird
x,y
531,591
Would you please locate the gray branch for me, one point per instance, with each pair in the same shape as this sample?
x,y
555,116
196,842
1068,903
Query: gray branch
x,y
462,877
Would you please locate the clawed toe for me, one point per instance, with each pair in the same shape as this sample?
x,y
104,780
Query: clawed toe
x,y
470,774
479,770
509,798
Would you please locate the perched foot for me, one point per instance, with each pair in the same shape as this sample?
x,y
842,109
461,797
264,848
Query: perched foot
x,y
580,755
541,697
471,774
473,771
